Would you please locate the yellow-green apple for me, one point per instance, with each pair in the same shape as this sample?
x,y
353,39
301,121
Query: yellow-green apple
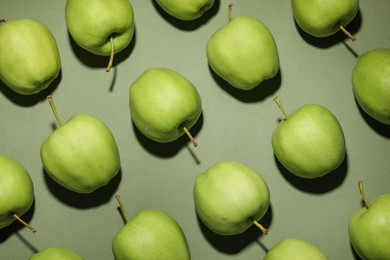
x,y
16,192
243,52
185,9
56,253
369,227
371,83
295,248
309,142
99,26
29,56
82,154
230,197
150,234
164,104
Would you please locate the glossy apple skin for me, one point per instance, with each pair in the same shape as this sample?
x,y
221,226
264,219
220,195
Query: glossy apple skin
x,y
371,83
243,52
151,234
82,154
185,9
16,190
323,18
228,196
92,23
293,248
369,230
161,100
29,56
56,253
310,142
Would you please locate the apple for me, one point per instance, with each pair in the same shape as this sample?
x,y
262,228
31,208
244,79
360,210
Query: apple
x,y
16,192
324,18
185,9
101,27
243,53
294,248
309,142
150,234
230,197
371,83
164,105
369,227
82,154
56,253
24,66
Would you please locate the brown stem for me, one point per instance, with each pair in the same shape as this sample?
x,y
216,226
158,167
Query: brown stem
x,y
350,36
2,21
277,101
366,202
190,136
24,223
53,108
111,56
257,224
230,8
122,207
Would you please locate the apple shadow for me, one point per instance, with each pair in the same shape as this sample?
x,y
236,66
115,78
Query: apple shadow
x,y
80,200
355,255
190,25
320,185
262,91
29,100
165,150
378,127
236,243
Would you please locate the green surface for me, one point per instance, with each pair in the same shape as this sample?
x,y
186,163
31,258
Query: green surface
x,y
235,125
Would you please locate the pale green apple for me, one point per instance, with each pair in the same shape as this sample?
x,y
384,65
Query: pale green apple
x,y
56,253
82,154
295,249
371,83
185,9
29,56
323,18
163,103
309,142
230,197
151,234
369,228
16,190
243,52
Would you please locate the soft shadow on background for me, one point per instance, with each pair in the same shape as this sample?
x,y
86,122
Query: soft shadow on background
x,y
378,127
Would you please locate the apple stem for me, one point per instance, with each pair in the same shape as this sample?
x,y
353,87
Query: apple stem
x,y
112,55
263,229
277,101
230,8
190,136
122,207
53,108
350,36
2,21
367,204
24,223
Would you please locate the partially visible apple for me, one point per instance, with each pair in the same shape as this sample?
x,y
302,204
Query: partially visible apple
x,y
369,228
230,197
16,192
82,154
29,56
56,253
185,9
371,83
164,105
295,249
309,142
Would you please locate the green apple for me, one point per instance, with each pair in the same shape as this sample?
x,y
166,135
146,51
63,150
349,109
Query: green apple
x,y
185,9
164,104
309,142
16,192
243,52
150,234
82,154
295,249
324,18
230,197
29,57
369,228
371,83
56,253
101,27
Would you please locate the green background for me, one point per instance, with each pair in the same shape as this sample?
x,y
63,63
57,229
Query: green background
x,y
235,125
